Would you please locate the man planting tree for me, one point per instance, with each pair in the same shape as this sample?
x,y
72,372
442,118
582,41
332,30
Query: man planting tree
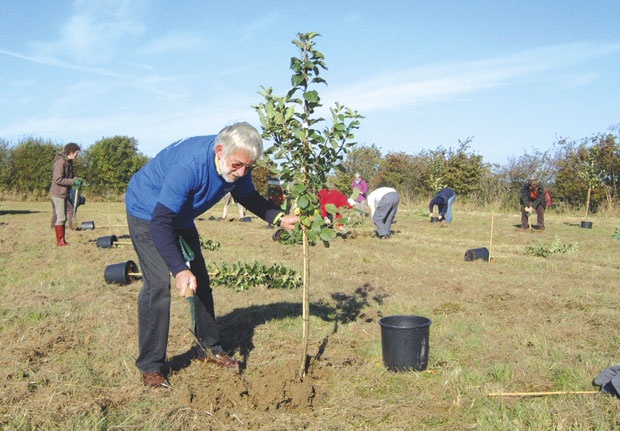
x,y
163,198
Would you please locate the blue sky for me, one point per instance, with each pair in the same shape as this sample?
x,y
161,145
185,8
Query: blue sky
x,y
513,76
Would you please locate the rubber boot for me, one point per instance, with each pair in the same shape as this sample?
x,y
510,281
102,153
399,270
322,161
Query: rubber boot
x,y
60,236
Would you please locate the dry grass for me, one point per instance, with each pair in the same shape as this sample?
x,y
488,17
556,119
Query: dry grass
x,y
518,324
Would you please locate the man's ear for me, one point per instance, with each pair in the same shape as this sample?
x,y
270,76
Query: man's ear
x,y
219,150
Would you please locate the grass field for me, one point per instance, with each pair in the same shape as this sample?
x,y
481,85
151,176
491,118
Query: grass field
x,y
520,323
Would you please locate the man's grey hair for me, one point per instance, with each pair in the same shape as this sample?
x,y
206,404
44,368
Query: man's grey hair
x,y
240,136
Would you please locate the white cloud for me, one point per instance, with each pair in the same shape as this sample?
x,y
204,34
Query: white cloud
x,y
262,23
407,88
92,35
174,42
55,62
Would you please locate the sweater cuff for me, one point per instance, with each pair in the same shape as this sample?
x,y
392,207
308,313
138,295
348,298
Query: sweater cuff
x,y
278,219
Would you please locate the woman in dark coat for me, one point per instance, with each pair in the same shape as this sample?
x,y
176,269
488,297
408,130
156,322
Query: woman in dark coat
x,y
63,178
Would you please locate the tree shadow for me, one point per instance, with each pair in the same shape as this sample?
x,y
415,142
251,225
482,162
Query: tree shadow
x,y
237,328
572,224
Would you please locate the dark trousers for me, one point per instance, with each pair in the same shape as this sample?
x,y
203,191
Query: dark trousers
x,y
154,298
540,217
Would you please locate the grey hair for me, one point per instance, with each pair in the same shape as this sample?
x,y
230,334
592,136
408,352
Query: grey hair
x,y
243,137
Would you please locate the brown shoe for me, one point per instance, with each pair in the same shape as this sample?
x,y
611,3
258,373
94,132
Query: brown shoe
x,y
221,359
155,379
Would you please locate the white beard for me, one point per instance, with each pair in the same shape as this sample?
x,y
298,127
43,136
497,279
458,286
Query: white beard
x,y
225,173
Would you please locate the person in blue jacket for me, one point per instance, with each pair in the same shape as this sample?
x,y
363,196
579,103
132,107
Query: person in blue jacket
x,y
163,198
444,199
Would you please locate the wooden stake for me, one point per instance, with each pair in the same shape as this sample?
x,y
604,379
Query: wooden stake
x,y
539,394
491,241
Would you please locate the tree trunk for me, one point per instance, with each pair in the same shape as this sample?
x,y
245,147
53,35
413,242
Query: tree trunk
x,y
305,315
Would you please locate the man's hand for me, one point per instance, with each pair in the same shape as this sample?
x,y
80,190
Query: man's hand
x,y
528,209
186,283
77,182
289,221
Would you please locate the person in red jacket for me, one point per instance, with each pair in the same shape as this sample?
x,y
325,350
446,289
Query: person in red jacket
x,y
333,197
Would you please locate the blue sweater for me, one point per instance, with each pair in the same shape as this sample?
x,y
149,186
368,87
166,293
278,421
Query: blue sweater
x,y
179,184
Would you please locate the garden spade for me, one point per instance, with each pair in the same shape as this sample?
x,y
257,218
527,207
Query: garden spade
x,y
188,255
192,309
76,200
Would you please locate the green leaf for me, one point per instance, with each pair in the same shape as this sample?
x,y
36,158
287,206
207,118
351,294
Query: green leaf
x,y
327,234
298,80
303,202
311,96
331,209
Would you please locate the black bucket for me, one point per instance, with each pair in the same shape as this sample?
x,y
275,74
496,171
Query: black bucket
x,y
106,241
404,342
121,273
87,225
586,224
477,254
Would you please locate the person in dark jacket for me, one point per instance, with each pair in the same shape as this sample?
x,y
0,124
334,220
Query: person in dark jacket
x,y
63,178
533,199
444,199
163,198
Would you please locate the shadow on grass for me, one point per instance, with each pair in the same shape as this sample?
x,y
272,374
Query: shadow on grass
x,y
237,328
17,212
534,227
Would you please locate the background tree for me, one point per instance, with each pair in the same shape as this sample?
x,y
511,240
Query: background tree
x,y
608,161
306,154
586,172
5,158
30,166
464,169
365,159
589,171
110,163
402,172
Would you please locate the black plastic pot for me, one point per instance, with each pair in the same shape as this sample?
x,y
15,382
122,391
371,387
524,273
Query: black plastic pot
x,y
405,342
87,225
121,273
477,254
586,224
434,219
106,241
277,235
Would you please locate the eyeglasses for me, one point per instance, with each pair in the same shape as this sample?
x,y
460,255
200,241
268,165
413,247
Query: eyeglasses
x,y
239,165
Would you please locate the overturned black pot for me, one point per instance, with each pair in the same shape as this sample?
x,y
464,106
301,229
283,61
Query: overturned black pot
x,y
434,219
122,273
106,241
278,235
586,224
87,225
481,253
